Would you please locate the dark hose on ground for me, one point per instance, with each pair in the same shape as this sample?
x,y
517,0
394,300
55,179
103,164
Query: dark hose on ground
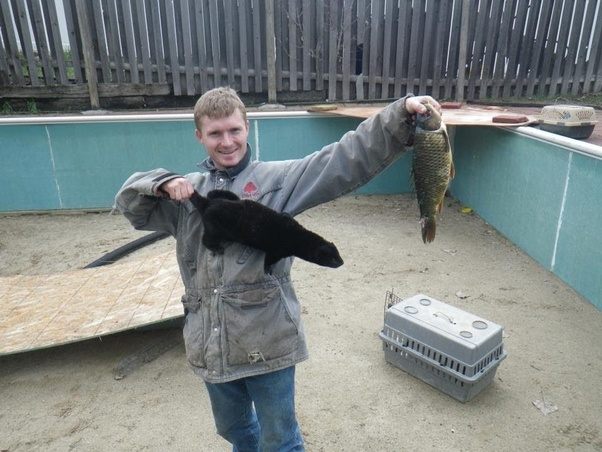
x,y
126,249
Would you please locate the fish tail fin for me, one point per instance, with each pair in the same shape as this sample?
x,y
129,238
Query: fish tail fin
x,y
429,228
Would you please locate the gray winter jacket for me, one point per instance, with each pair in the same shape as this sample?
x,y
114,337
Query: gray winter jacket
x,y
239,319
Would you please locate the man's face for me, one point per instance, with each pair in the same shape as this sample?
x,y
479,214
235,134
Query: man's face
x,y
225,139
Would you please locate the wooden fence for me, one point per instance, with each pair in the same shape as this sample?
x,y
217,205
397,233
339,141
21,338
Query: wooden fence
x,y
346,49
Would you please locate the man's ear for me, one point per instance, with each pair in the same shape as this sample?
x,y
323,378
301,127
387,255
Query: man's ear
x,y
199,135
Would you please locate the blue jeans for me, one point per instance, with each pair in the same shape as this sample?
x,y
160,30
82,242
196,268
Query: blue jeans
x,y
258,413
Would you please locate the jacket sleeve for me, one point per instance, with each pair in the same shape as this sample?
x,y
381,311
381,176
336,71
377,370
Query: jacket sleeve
x,y
341,167
140,201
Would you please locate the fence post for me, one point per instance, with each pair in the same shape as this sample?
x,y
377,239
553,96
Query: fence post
x,y
270,43
463,50
87,49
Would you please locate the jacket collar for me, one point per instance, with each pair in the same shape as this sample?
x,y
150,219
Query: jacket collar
x,y
208,165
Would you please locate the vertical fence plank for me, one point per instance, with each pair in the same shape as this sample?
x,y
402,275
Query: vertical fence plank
x,y
502,48
185,33
10,42
452,72
270,43
492,30
128,30
429,37
87,47
415,47
559,55
199,18
230,32
143,37
292,44
440,33
26,42
386,53
527,47
174,65
594,55
56,41
279,19
346,68
463,50
587,24
550,48
215,43
39,32
306,39
319,53
401,49
242,38
515,44
568,74
377,8
101,46
534,74
113,42
257,46
333,51
477,59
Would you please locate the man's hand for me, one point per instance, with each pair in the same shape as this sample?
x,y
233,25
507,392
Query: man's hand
x,y
416,104
177,189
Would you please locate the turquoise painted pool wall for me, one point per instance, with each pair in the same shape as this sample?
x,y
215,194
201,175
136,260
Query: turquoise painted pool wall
x,y
81,166
545,198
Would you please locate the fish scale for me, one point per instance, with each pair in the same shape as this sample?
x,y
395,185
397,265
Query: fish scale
x,y
432,169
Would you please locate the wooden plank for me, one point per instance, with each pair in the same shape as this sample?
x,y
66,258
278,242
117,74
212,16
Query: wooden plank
x,y
568,74
242,44
320,49
306,38
26,42
10,41
588,22
199,17
279,11
257,46
492,28
387,41
270,42
178,26
144,38
478,56
429,36
57,41
215,43
87,46
333,51
230,32
292,44
594,55
39,32
401,49
377,11
415,48
527,48
130,41
113,42
463,50
174,64
502,49
559,59
515,44
454,47
545,77
79,91
185,32
538,49
441,31
101,47
347,68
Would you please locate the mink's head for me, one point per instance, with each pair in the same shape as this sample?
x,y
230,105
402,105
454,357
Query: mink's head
x,y
327,255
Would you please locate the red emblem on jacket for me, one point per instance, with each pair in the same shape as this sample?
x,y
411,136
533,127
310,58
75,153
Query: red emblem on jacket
x,y
250,190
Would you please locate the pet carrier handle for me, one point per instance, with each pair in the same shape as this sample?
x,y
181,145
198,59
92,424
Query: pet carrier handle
x,y
449,319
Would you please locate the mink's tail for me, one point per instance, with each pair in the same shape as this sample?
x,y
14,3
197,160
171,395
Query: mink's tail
x,y
200,202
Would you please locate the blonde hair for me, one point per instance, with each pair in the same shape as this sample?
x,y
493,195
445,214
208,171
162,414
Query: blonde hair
x,y
218,103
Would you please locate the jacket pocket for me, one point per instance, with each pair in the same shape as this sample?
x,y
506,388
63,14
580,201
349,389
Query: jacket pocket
x,y
194,331
258,325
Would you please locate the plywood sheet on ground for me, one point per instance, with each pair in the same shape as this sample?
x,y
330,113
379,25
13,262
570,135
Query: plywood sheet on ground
x,y
465,116
47,310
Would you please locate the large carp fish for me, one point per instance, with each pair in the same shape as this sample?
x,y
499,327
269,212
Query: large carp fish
x,y
432,168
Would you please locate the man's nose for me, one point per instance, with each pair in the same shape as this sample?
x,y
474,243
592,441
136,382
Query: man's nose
x,y
227,139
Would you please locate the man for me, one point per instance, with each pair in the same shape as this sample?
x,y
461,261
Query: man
x,y
243,332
